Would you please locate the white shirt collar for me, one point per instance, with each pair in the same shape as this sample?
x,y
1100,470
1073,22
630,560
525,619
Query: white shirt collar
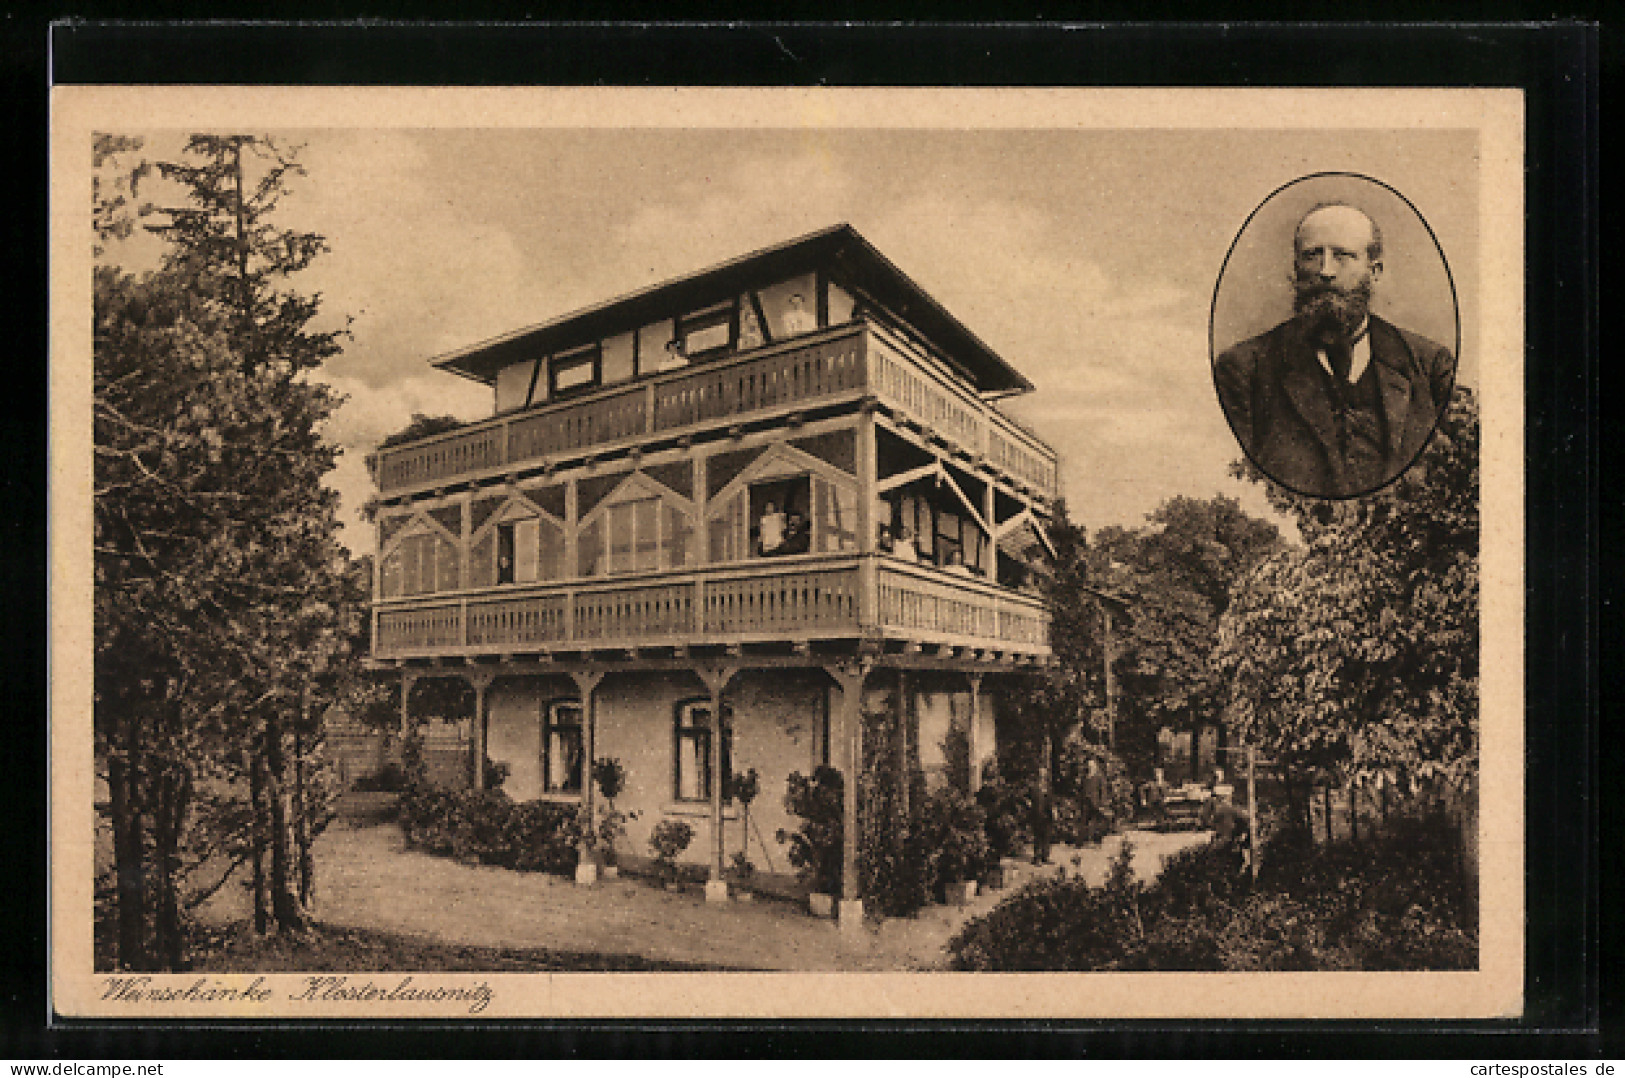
x,y
1359,355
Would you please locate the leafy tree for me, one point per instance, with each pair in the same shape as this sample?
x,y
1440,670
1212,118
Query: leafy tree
x,y
1358,653
223,608
421,426
1175,574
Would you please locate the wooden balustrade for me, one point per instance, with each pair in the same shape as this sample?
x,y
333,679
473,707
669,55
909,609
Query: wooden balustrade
x,y
650,614
782,377
906,385
566,428
419,628
782,603
534,619
779,379
725,603
942,608
446,457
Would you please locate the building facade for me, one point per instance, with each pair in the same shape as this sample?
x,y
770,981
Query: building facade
x,y
710,524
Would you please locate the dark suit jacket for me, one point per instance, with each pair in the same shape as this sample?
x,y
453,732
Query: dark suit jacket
x,y
1275,395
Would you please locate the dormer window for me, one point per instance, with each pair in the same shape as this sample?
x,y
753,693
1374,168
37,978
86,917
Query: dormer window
x,y
575,373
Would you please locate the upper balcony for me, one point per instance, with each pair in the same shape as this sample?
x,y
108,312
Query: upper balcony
x,y
802,599
822,370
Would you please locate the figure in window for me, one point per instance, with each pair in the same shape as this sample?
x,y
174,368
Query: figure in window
x,y
676,356
904,548
770,531
797,534
955,563
797,319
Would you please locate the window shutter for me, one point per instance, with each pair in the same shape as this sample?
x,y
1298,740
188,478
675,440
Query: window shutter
x,y
447,571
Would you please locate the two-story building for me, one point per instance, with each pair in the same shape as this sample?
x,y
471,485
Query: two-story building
x,y
708,526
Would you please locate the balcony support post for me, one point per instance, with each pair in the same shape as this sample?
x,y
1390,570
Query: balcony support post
x,y
974,734
408,679
481,681
868,583
716,680
848,729
587,686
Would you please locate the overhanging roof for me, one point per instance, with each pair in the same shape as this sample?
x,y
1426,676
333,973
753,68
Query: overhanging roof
x,y
840,249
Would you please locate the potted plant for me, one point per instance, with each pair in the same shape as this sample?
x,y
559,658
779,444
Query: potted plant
x,y
669,839
610,778
815,849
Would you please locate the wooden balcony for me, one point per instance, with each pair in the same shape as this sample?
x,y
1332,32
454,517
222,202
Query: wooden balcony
x,y
798,599
835,366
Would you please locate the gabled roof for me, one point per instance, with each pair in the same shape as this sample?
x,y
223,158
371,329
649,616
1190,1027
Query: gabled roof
x,y
840,249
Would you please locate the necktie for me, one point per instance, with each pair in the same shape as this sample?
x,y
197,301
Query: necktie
x,y
1340,354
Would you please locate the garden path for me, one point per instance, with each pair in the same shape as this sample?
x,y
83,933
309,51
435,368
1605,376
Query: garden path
x,y
368,879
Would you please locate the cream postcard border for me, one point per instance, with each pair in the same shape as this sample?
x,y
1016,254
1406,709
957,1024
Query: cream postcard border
x,y
1494,990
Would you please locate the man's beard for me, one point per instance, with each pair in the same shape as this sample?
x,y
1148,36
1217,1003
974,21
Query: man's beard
x,y
1331,311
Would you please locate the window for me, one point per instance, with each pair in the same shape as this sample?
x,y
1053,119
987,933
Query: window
x,y
528,550
561,747
634,535
707,331
780,517
421,563
576,373
693,777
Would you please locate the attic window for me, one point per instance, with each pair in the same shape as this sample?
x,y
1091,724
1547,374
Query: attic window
x,y
707,331
575,373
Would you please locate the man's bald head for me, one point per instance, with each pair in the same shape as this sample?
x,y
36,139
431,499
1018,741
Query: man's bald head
x,y
1342,221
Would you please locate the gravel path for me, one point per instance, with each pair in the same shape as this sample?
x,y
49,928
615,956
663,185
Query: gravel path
x,y
367,878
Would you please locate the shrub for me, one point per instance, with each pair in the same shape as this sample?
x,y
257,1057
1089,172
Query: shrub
x,y
1056,924
1007,807
1397,901
496,773
815,849
488,827
953,834
669,839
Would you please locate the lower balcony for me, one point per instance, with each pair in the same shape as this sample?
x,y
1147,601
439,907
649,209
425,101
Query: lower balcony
x,y
794,600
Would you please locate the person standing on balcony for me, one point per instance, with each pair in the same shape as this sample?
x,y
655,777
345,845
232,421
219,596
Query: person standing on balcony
x,y
675,357
797,536
905,548
956,564
798,319
770,530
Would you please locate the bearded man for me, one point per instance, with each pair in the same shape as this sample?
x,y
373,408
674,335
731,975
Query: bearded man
x,y
1334,402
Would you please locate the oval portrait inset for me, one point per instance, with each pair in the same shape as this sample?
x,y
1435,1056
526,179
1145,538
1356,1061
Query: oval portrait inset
x,y
1334,335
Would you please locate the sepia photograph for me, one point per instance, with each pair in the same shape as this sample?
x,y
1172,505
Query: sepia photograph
x,y
786,552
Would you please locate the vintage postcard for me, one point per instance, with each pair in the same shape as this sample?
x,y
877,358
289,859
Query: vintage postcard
x,y
855,553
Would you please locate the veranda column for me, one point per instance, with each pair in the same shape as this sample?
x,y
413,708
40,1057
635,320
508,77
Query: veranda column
x,y
481,682
974,735
716,679
587,686
849,677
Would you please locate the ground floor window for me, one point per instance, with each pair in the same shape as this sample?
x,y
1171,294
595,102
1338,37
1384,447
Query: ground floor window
x,y
561,747
693,773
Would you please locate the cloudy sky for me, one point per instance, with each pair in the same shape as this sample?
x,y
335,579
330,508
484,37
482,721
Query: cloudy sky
x,y
1086,258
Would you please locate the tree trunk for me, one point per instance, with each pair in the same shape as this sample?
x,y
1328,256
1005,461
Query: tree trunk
x,y
286,909
302,824
1354,811
169,817
1326,801
123,768
256,792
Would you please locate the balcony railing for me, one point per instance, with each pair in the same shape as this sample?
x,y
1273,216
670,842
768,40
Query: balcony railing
x,y
796,599
837,364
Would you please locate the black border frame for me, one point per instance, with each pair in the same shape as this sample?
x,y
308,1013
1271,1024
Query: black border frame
x,y
1559,66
